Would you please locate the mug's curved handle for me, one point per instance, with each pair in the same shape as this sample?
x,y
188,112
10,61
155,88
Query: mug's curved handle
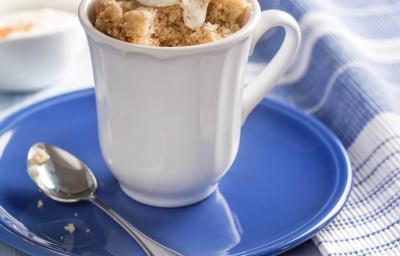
x,y
257,89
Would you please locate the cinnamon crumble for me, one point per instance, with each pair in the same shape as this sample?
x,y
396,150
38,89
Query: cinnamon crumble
x,y
129,21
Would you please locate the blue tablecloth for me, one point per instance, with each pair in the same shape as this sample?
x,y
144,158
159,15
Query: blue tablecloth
x,y
347,75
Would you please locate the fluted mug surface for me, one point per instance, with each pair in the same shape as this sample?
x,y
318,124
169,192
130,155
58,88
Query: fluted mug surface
x,y
169,118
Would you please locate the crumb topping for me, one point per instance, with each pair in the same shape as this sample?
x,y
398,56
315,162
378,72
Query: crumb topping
x,y
7,30
129,21
39,156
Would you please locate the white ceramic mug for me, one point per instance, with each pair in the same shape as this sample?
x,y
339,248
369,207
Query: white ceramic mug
x,y
170,118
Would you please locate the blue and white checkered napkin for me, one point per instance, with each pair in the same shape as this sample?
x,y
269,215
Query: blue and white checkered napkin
x,y
347,74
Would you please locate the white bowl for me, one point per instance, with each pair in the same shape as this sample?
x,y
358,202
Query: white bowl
x,y
35,61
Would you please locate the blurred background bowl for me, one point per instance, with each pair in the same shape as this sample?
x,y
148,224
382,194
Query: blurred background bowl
x,y
36,61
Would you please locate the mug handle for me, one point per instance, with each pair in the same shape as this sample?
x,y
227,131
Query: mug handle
x,y
257,89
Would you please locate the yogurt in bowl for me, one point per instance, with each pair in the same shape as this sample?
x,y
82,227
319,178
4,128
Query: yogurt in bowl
x,y
39,41
31,22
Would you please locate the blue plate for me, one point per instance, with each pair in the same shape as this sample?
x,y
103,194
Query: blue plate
x,y
290,178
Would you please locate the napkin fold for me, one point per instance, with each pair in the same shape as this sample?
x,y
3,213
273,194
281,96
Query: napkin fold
x,y
347,74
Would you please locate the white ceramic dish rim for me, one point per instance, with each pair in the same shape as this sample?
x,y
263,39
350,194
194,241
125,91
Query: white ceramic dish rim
x,y
242,34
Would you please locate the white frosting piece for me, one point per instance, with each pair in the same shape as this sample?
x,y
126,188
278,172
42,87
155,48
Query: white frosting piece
x,y
194,11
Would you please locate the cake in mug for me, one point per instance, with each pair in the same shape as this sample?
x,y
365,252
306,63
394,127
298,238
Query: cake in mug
x,y
176,23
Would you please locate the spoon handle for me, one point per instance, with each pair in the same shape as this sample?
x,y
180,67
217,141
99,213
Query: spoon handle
x,y
149,246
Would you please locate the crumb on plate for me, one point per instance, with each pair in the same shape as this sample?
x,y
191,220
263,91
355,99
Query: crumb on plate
x,y
39,204
70,228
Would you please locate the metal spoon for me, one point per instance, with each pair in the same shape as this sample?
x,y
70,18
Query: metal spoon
x,y
64,178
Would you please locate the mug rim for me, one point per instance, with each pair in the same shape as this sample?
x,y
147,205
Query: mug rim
x,y
102,38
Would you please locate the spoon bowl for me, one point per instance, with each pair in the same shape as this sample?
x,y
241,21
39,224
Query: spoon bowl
x,y
64,178
60,175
